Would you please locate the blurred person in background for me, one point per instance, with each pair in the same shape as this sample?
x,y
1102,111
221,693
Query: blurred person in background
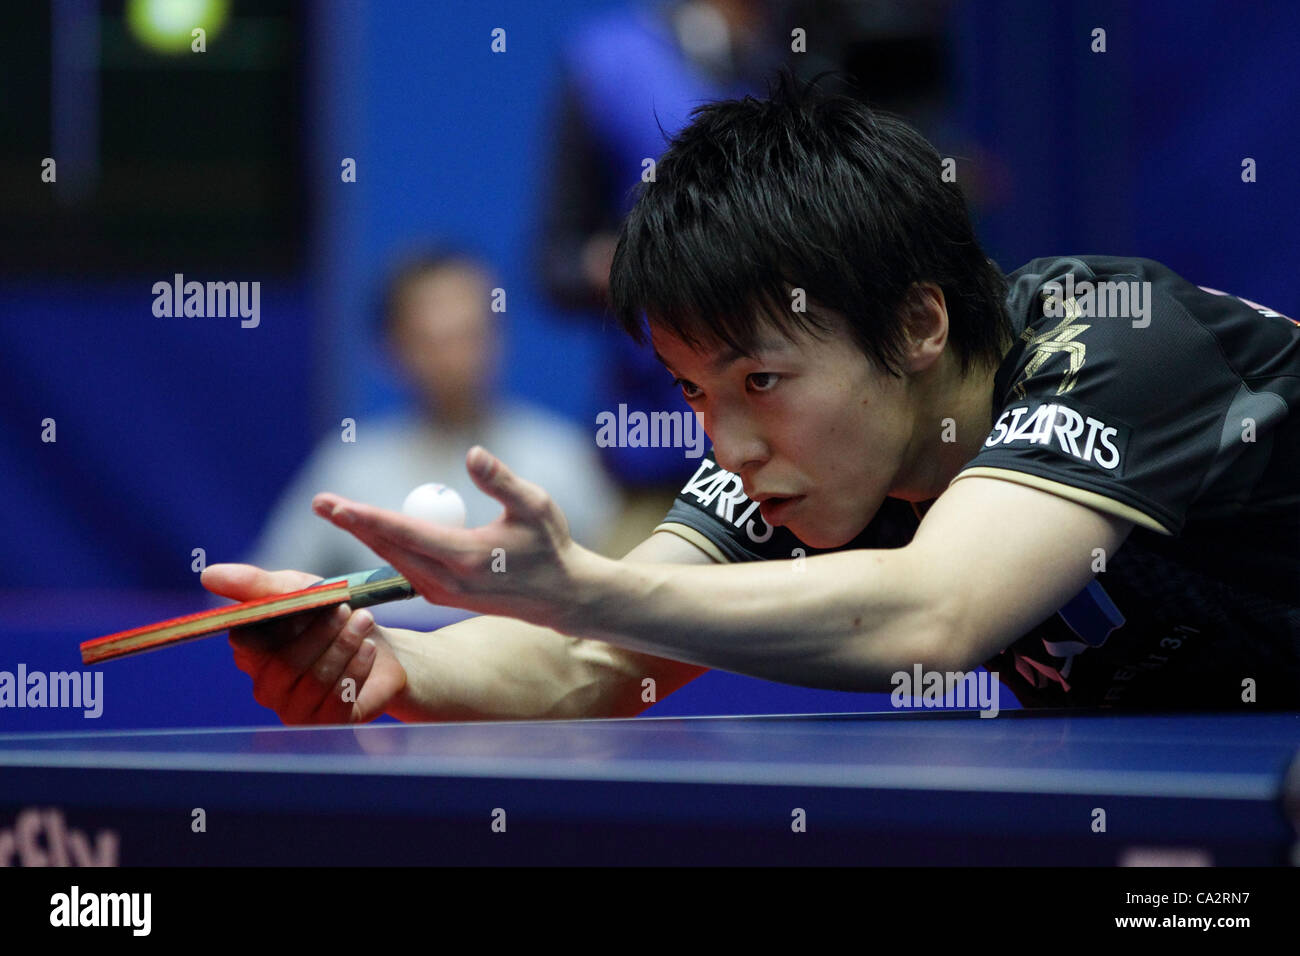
x,y
444,340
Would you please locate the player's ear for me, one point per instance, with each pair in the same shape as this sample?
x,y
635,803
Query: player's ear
x,y
924,313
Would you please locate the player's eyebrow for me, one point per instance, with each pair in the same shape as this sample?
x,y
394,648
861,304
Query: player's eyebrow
x,y
725,357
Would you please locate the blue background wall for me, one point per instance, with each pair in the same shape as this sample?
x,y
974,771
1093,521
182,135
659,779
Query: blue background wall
x,y
177,433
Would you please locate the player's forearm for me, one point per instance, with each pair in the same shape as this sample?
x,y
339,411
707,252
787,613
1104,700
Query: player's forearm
x,y
498,668
844,621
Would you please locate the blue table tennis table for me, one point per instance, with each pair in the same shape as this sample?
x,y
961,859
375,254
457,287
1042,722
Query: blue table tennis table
x,y
865,789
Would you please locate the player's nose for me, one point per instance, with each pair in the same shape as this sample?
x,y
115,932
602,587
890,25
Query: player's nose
x,y
737,450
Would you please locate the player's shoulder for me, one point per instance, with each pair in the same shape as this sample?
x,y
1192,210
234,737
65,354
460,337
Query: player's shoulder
x,y
1126,381
1090,287
1112,289
1116,320
1046,268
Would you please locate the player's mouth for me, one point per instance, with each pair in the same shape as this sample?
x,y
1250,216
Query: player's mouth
x,y
775,510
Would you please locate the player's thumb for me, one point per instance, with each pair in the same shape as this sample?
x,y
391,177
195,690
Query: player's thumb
x,y
495,479
244,582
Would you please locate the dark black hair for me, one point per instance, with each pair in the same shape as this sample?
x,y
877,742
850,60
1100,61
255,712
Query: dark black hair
x,y
810,190
415,265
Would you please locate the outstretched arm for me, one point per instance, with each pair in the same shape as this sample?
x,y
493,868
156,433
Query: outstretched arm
x,y
484,668
990,560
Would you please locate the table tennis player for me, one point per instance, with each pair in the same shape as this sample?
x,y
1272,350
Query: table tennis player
x,y
915,460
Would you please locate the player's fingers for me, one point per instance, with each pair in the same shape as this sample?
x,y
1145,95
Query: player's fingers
x,y
340,704
248,658
317,683
330,665
386,679
274,636
370,524
432,579
302,652
280,670
519,495
246,582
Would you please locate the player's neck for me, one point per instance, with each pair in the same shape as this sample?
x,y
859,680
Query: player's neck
x,y
952,423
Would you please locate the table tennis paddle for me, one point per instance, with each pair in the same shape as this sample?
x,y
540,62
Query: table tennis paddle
x,y
361,589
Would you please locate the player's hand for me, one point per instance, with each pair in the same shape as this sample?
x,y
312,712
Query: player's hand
x,y
520,565
300,665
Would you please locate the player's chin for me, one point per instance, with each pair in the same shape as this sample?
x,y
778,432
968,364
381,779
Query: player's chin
x,y
816,539
821,534
809,533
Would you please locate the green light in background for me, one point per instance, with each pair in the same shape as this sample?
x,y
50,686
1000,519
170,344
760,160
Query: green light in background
x,y
165,26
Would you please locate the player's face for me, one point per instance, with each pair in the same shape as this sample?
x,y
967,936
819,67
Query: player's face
x,y
809,420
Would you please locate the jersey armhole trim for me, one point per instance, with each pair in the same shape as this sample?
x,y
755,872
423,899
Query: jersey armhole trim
x,y
687,533
1090,498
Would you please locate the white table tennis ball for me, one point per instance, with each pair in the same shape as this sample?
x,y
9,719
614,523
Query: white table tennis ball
x,y
436,504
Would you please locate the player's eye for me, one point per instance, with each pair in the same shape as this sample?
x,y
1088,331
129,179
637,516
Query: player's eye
x,y
689,389
771,378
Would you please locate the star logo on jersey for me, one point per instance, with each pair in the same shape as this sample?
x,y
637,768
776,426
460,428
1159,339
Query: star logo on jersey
x,y
1058,340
